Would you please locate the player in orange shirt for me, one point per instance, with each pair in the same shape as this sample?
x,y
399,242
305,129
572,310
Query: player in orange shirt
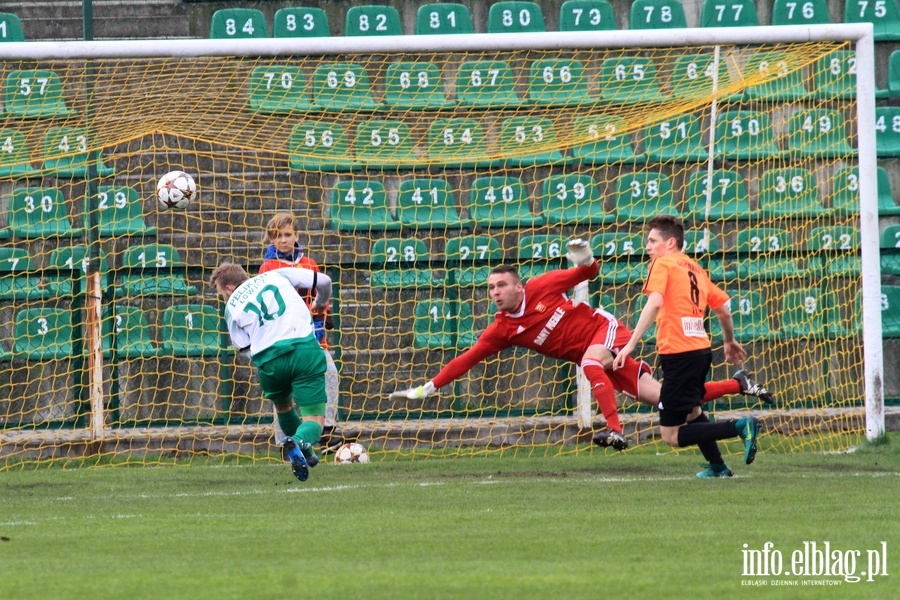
x,y
678,293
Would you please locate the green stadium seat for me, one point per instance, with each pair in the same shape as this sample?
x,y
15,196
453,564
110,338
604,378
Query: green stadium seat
x,y
764,253
538,254
558,82
320,146
75,258
845,192
435,324
486,84
728,13
790,192
621,257
573,199
887,131
818,133
118,211
384,144
34,94
629,80
457,142
728,196
466,336
14,157
17,281
39,213
300,21
426,204
515,17
131,332
883,14
894,74
890,311
278,89
803,314
397,258
602,139
843,318
238,24
67,153
586,15
692,76
703,246
191,330
501,201
444,18
800,12
360,205
528,141
372,20
152,270
890,250
463,256
42,333
414,85
750,317
835,249
781,73
745,135
657,14
834,75
11,28
675,139
640,196
342,87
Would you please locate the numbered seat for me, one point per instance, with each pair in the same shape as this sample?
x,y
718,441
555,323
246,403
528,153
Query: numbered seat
x,y
17,279
278,89
384,144
15,160
573,199
459,142
444,18
629,80
40,213
414,85
835,250
750,317
342,87
118,211
883,14
129,330
602,139
694,76
152,270
67,153
704,247
586,15
34,94
558,82
538,254
802,12
745,135
11,28
300,21
468,257
360,205
238,24
426,204
887,131
435,324
890,311
401,263
73,259
657,14
191,330
529,141
675,139
372,20
729,13
843,316
780,76
890,250
818,133
765,253
501,201
802,314
42,333
728,197
466,336
790,192
845,192
486,84
320,146
640,196
515,17
834,75
621,257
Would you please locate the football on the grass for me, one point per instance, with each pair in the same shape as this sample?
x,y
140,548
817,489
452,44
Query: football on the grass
x,y
351,452
176,189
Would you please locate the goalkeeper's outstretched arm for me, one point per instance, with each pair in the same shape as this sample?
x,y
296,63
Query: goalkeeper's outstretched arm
x,y
454,369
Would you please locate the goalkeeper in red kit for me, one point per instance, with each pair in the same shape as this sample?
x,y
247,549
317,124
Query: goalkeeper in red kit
x,y
540,316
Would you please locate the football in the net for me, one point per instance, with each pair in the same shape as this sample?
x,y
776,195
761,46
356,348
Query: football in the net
x,y
176,189
351,452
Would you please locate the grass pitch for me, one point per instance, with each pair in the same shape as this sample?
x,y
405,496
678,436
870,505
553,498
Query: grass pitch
x,y
588,525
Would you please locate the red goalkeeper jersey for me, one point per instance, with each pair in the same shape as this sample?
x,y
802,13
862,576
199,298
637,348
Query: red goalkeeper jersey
x,y
547,322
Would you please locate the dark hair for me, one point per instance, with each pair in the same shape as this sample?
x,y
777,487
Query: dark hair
x,y
668,227
506,269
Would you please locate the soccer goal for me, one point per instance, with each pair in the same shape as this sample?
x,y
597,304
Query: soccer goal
x,y
415,164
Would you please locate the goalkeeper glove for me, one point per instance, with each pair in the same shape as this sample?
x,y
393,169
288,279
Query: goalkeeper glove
x,y
579,252
416,393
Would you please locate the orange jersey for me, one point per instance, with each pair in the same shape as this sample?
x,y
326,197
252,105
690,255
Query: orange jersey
x,y
686,291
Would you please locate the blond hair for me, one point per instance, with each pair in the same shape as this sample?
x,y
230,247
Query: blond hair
x,y
228,274
279,221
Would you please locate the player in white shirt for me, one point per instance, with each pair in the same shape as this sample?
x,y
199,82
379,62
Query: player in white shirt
x,y
267,317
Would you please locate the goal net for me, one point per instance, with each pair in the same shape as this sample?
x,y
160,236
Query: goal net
x,y
414,166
